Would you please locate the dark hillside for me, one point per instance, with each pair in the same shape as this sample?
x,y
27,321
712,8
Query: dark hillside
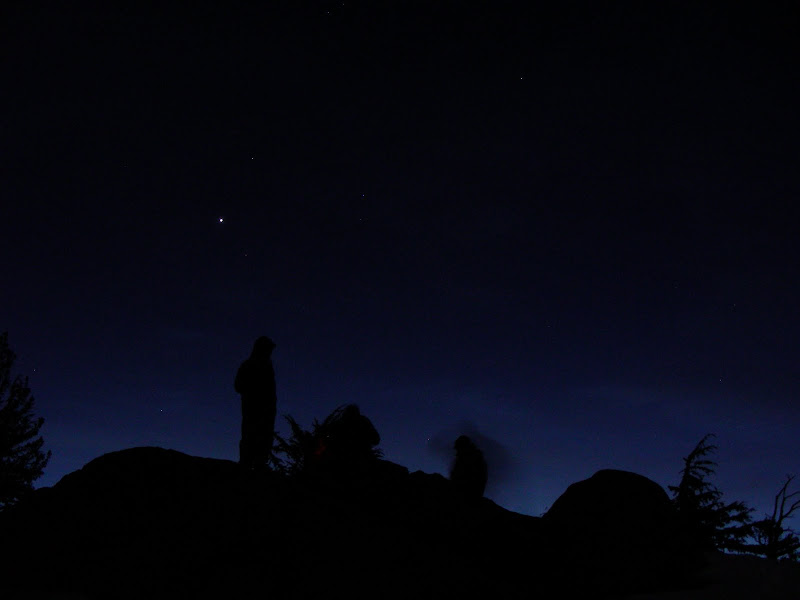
x,y
155,523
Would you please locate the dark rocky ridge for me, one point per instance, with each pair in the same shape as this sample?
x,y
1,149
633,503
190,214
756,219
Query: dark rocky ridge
x,y
149,522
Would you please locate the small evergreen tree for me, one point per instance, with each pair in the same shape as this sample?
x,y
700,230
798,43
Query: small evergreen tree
x,y
709,523
290,456
22,460
306,450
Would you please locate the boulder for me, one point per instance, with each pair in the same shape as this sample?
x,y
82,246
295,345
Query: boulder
x,y
621,528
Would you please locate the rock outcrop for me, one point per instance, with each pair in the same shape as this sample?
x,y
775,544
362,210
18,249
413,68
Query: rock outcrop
x,y
155,523
622,527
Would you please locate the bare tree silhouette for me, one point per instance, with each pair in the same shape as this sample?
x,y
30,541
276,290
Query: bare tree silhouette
x,y
773,539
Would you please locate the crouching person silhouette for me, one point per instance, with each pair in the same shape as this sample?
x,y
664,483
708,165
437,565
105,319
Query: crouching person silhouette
x,y
469,472
255,382
347,442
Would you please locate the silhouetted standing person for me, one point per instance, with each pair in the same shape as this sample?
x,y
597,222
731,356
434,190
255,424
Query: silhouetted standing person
x,y
255,382
469,472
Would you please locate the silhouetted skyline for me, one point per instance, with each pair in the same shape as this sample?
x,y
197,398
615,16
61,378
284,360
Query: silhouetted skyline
x,y
570,232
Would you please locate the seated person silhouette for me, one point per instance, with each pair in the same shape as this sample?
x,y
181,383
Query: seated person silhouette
x,y
348,441
469,472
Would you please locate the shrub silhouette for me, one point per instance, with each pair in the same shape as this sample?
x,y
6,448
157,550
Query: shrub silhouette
x,y
343,439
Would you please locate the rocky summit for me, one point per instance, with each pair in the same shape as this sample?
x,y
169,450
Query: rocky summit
x,y
156,523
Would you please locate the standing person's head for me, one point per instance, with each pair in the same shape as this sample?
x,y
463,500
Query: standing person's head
x,y
263,347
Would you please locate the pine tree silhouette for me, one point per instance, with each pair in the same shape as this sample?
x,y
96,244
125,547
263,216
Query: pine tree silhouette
x,y
22,460
709,523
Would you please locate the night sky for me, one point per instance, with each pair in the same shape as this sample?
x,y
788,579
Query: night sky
x,y
569,232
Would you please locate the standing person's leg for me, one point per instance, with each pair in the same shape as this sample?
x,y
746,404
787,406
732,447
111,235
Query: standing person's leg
x,y
247,450
266,438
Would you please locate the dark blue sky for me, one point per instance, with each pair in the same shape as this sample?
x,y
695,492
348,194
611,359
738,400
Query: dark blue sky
x,y
570,232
